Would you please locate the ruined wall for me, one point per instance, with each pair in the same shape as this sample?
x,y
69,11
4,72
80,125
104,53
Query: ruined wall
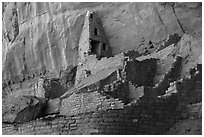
x,y
111,92
97,33
130,120
88,102
150,115
190,89
93,45
94,66
84,41
141,73
42,39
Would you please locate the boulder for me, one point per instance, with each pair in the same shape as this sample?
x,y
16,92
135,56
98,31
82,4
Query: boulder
x,y
23,109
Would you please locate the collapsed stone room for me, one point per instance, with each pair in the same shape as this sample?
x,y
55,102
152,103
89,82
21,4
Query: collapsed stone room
x,y
102,68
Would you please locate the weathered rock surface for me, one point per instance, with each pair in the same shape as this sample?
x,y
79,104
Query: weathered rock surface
x,y
190,49
57,26
40,91
23,109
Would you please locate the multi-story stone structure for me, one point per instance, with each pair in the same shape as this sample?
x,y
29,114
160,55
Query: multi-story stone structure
x,y
93,44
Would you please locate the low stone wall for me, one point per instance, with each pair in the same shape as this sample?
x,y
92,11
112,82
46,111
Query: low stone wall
x,y
88,102
150,116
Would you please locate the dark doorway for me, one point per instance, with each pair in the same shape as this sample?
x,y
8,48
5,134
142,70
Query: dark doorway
x,y
104,46
95,47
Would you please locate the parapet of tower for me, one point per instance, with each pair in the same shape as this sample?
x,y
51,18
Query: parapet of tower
x,y
93,40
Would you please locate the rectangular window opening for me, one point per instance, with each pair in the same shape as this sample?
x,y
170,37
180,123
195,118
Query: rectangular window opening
x,y
104,46
91,16
95,31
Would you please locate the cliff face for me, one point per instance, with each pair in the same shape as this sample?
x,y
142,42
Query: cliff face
x,y
44,43
43,38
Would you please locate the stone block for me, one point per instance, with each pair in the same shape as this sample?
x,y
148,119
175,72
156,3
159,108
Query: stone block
x,y
73,128
53,106
72,124
71,121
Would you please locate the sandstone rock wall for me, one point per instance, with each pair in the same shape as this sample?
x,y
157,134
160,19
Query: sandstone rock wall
x,y
43,37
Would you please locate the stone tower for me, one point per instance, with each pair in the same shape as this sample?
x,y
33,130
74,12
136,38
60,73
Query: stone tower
x,y
93,44
93,40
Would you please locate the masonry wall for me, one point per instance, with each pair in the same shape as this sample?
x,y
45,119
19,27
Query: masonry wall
x,y
94,66
100,36
151,117
148,116
190,89
87,102
91,44
141,73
